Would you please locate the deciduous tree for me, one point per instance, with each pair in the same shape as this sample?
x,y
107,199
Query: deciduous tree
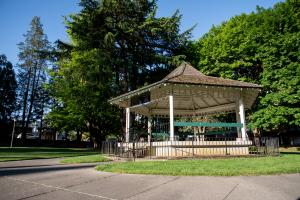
x,y
261,47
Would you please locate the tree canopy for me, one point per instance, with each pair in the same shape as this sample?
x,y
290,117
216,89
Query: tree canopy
x,y
116,46
261,47
8,85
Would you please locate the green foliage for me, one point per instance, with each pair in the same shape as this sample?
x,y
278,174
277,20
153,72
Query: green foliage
x,y
116,46
134,41
8,85
81,87
263,48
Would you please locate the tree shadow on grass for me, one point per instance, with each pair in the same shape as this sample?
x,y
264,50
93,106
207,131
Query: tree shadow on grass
x,y
41,169
24,166
290,153
44,149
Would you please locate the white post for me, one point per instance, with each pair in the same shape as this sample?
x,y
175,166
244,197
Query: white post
x,y
127,124
171,117
238,120
149,128
242,118
13,134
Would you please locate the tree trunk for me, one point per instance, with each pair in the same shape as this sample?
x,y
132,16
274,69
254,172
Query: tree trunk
x,y
94,134
25,98
78,136
123,123
133,81
41,125
33,91
117,81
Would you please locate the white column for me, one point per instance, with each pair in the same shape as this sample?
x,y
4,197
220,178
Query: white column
x,y
238,120
149,128
242,118
171,117
127,124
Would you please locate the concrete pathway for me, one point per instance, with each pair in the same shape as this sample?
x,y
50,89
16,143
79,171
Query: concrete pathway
x,y
47,179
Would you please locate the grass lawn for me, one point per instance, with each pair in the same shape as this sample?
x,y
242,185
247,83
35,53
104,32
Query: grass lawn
x,y
286,163
85,159
27,153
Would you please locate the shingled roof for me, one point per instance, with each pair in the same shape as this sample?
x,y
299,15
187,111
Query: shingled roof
x,y
185,73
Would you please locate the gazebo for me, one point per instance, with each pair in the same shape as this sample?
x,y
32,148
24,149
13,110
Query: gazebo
x,y
188,92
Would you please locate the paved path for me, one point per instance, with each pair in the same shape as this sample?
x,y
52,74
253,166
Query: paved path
x,y
46,179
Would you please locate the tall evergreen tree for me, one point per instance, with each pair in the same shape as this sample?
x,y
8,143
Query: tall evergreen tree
x,y
33,57
134,41
117,46
8,85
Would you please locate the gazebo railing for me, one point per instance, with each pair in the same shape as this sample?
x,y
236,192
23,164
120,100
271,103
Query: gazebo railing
x,y
160,131
209,124
210,147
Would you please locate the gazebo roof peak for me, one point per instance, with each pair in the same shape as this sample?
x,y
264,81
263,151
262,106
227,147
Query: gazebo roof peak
x,y
186,74
185,69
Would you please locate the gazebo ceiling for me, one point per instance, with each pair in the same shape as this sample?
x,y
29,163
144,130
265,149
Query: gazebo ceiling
x,y
193,92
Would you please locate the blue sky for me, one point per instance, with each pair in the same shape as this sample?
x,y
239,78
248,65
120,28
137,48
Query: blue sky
x,y
15,17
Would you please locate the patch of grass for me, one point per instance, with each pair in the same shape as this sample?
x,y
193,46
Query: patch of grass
x,y
28,153
287,163
85,159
